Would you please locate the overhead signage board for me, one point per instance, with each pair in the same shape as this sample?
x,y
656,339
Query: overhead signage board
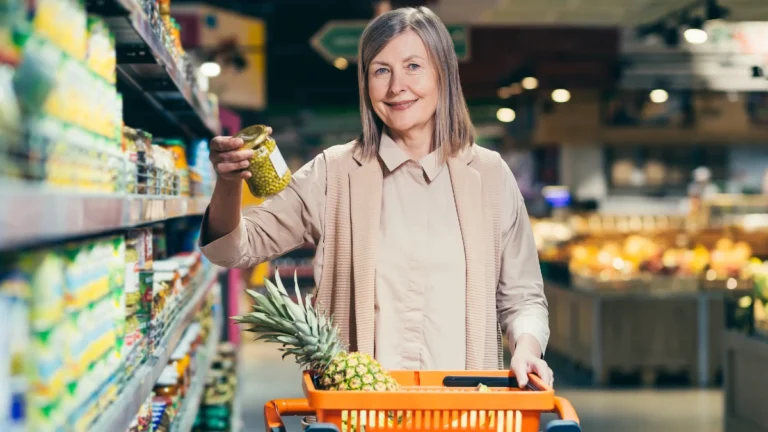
x,y
340,39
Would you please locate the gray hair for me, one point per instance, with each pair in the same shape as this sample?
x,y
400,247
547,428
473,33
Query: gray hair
x,y
453,127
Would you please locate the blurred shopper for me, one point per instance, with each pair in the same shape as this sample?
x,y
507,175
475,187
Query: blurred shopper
x,y
424,247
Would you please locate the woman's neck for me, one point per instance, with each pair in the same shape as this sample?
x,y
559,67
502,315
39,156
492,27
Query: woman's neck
x,y
416,142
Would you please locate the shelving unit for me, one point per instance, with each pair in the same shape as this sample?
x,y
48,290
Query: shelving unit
x,y
745,380
151,82
32,214
185,419
56,210
119,415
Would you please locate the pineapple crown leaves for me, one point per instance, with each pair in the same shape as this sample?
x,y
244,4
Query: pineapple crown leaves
x,y
311,337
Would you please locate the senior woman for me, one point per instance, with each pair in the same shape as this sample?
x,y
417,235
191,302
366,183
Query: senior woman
x,y
424,247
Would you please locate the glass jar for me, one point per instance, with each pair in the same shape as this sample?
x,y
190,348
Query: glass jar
x,y
269,172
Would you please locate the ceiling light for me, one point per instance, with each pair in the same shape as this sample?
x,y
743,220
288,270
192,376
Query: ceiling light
x,y
561,95
695,36
341,63
210,69
659,96
504,93
505,115
530,83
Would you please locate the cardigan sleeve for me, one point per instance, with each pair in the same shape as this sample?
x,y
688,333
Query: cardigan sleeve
x,y
520,301
279,225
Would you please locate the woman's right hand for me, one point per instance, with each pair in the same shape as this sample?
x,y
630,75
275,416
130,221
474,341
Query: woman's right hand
x,y
228,160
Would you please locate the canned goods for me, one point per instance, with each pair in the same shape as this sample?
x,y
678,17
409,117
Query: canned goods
x,y
269,172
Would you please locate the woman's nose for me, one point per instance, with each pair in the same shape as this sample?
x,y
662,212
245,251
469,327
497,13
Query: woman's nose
x,y
397,83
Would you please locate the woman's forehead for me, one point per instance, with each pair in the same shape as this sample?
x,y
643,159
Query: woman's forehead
x,y
405,46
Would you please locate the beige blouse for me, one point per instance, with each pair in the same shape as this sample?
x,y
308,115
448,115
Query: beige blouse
x,y
420,269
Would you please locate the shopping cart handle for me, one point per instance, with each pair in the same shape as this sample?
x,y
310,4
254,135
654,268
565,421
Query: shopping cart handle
x,y
569,421
322,427
563,426
275,409
534,382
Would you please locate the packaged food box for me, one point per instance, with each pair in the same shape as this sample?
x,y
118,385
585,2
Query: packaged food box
x,y
15,292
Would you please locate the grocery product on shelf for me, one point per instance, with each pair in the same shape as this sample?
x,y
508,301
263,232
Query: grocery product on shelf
x,y
134,343
63,299
100,51
181,166
143,420
165,166
269,172
216,411
64,23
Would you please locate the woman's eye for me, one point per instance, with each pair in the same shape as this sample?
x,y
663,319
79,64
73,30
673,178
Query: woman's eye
x,y
413,66
380,71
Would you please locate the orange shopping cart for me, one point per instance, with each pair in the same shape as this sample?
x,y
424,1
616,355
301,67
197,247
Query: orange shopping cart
x,y
430,401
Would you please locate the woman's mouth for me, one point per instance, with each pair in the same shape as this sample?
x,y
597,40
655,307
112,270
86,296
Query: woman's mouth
x,y
402,105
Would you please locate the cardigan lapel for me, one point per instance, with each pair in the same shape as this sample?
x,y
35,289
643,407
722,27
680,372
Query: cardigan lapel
x,y
365,186
467,190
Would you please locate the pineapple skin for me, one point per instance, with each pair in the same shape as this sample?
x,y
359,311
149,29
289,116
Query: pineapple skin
x,y
356,371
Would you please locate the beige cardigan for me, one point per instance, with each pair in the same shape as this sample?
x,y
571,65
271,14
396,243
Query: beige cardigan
x,y
352,210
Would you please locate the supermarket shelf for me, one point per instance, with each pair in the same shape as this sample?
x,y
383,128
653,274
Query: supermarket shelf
x,y
33,214
153,86
236,421
190,406
120,414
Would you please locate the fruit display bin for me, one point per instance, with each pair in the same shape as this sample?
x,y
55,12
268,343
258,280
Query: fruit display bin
x,y
430,401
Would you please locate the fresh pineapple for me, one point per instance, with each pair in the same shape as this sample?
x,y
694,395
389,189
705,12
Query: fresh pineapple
x,y
314,340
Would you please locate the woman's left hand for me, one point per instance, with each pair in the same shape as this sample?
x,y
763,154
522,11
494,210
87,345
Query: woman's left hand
x,y
527,359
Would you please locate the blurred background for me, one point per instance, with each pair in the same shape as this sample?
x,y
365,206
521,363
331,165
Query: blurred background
x,y
637,130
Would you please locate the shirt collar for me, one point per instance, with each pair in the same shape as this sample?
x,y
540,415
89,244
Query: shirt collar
x,y
393,156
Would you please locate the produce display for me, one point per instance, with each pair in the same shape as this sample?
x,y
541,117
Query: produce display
x,y
550,235
636,256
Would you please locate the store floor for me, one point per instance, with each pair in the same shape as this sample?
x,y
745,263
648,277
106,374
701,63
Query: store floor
x,y
265,376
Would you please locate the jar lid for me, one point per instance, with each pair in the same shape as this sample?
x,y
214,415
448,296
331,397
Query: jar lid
x,y
253,135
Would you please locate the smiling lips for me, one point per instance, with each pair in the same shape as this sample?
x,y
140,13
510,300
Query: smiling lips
x,y
401,106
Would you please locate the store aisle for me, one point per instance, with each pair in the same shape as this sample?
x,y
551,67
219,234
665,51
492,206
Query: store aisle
x,y
265,376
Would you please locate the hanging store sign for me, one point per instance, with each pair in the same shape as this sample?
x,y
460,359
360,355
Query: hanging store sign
x,y
730,60
339,39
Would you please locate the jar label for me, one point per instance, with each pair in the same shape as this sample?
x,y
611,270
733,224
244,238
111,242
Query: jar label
x,y
278,162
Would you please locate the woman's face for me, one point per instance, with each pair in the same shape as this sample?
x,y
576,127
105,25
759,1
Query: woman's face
x,y
402,84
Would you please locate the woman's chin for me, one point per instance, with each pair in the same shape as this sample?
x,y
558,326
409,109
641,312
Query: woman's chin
x,y
402,126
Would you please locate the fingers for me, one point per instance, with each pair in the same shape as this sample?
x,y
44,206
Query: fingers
x,y
269,130
522,366
225,144
235,156
521,372
228,167
540,368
